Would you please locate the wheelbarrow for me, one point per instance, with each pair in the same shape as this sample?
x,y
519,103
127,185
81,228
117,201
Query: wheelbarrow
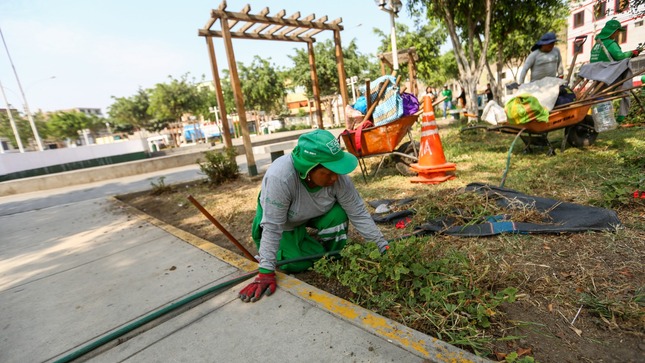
x,y
383,141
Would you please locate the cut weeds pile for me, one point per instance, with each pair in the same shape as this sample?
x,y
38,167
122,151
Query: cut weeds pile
x,y
517,298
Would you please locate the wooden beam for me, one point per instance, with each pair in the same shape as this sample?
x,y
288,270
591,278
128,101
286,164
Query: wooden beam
x,y
277,27
273,20
245,10
310,33
286,30
249,24
253,35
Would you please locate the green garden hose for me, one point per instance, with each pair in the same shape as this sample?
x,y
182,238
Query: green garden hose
x,y
172,307
508,158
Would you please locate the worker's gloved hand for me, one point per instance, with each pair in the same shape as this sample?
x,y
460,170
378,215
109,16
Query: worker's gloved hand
x,y
264,284
635,53
383,247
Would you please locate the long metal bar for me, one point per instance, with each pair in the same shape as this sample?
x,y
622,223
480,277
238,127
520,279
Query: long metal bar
x,y
222,229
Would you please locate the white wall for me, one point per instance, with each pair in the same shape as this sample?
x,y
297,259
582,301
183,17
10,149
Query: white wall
x,y
15,162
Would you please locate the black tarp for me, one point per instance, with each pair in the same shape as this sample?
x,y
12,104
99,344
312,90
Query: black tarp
x,y
563,217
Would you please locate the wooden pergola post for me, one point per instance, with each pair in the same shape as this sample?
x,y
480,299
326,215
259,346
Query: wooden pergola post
x,y
314,80
340,64
221,107
239,98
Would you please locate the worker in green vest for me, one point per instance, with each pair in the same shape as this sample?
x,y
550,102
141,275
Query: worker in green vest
x,y
447,102
607,49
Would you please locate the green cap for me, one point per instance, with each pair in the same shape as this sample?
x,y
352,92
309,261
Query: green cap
x,y
321,147
610,28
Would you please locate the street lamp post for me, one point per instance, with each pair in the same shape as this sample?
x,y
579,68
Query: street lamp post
x,y
352,81
11,120
393,7
29,116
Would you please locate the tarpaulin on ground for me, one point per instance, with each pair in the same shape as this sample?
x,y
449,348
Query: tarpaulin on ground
x,y
562,216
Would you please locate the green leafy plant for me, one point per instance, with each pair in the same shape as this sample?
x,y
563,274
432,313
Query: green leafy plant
x,y
220,167
513,357
160,186
421,287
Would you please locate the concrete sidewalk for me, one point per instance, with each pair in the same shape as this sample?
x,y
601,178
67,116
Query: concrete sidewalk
x,y
72,273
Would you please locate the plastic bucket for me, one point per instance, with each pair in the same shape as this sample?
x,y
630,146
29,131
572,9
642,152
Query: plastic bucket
x,y
603,117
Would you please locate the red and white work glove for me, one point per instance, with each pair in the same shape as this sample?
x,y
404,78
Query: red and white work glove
x,y
264,284
635,53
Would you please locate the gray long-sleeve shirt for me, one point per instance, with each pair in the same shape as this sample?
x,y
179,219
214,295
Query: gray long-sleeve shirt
x,y
542,65
287,203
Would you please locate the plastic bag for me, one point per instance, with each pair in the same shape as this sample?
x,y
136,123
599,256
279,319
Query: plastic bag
x,y
361,105
410,104
525,108
493,113
546,90
603,117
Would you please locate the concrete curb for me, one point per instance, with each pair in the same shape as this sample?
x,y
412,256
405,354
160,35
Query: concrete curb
x,y
415,342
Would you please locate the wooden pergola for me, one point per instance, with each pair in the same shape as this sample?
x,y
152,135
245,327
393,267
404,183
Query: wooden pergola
x,y
261,26
408,56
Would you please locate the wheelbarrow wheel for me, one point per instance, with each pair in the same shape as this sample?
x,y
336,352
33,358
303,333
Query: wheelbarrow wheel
x,y
406,148
582,134
402,163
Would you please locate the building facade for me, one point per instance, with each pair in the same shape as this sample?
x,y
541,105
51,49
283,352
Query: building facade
x,y
588,17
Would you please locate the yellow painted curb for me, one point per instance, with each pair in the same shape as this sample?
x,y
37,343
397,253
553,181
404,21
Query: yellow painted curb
x,y
204,245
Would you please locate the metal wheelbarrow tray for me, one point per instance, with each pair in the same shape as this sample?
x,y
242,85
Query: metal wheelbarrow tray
x,y
382,141
577,124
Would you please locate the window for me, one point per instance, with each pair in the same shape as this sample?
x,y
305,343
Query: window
x,y
578,19
622,37
621,5
600,10
581,50
638,23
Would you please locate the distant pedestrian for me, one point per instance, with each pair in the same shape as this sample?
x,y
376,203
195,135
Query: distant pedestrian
x,y
489,93
544,61
447,102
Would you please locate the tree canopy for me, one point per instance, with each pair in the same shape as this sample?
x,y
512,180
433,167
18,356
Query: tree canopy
x,y
63,125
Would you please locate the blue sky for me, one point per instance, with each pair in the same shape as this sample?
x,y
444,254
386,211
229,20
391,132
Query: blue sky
x,y
98,49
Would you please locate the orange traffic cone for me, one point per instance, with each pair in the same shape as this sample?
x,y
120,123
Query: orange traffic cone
x,y
432,167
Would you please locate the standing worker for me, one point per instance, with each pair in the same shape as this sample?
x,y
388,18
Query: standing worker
x,y
607,49
308,188
544,61
447,102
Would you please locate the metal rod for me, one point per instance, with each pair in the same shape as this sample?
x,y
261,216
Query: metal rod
x,y
222,229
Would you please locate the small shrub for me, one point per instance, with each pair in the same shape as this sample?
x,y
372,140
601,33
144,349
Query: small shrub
x,y
160,187
220,167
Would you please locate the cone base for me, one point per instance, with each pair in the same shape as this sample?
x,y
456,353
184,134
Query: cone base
x,y
432,178
434,168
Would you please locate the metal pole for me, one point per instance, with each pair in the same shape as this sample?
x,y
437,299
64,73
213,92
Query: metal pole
x,y
24,99
395,53
12,121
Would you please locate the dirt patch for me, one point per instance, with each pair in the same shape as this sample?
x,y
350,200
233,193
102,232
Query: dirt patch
x,y
595,280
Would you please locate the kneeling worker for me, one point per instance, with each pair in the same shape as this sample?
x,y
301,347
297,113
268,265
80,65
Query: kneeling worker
x,y
308,188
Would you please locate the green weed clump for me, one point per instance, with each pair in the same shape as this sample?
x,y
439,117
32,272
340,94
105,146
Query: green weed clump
x,y
418,285
220,167
160,187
